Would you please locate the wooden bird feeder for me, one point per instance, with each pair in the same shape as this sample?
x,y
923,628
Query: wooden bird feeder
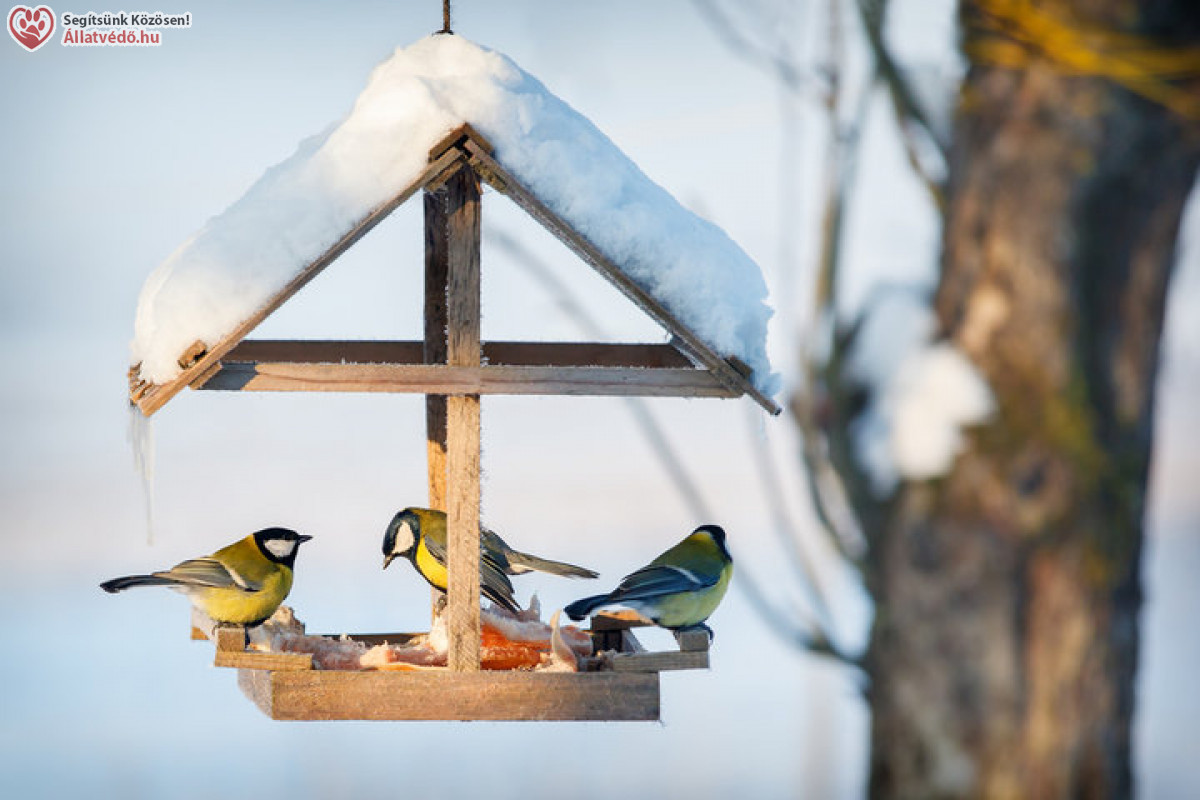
x,y
453,368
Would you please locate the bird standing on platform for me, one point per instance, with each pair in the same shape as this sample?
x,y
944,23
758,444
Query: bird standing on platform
x,y
678,590
242,584
420,535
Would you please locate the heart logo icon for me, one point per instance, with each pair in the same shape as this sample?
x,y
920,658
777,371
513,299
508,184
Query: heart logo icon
x,y
29,27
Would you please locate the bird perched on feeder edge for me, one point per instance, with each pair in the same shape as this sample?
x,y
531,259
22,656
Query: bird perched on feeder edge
x,y
678,590
420,535
242,584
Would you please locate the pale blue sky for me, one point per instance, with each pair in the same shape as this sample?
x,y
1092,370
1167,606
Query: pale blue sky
x,y
111,158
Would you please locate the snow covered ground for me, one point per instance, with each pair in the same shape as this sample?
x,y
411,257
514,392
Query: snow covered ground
x,y
121,154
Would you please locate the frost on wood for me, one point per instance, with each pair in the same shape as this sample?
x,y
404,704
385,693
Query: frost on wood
x,y
244,256
922,394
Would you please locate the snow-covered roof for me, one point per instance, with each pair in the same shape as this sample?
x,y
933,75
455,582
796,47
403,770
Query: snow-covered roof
x,y
248,254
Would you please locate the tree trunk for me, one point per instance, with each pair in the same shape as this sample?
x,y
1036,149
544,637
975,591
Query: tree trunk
x,y
1005,644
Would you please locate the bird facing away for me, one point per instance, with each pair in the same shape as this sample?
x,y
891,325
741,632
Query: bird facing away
x,y
420,534
242,584
678,590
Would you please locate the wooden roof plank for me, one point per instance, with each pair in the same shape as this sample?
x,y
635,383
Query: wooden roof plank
x,y
503,181
157,396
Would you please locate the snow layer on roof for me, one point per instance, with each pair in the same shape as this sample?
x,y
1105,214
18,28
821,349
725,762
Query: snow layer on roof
x,y
244,256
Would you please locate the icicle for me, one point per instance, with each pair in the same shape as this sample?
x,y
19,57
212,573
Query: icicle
x,y
141,438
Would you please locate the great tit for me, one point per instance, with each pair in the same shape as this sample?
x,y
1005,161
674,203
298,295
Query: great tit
x,y
419,534
680,589
241,584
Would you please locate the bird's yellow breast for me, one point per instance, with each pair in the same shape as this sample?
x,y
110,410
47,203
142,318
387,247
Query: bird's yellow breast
x,y
430,568
691,608
238,607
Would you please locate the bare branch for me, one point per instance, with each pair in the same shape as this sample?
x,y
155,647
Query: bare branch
x,y
909,112
779,62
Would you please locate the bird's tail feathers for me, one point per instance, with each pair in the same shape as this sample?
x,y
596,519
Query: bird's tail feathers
x,y
582,608
130,581
524,562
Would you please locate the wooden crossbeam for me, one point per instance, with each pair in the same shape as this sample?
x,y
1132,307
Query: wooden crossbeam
x,y
548,354
442,379
527,368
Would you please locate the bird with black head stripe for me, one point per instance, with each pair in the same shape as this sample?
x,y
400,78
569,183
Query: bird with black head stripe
x,y
420,535
242,584
678,590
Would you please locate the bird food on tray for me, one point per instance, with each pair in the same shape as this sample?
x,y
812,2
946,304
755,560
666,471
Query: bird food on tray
x,y
509,641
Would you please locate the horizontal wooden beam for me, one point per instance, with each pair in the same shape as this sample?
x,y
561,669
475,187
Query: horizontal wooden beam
x,y
445,695
542,354
453,380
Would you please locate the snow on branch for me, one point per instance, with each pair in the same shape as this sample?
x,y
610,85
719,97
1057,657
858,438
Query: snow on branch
x,y
923,393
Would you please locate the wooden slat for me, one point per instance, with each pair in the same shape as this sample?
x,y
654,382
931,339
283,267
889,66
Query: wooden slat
x,y
693,640
463,349
230,641
372,639
157,396
445,695
505,182
659,662
619,620
444,379
250,659
540,354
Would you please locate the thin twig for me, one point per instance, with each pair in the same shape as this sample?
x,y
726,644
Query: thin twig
x,y
778,63
786,531
908,110
575,310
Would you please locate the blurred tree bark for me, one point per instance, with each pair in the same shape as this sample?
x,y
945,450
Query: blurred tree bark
x,y
1005,646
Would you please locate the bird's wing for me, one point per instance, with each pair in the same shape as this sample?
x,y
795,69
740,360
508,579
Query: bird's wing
x,y
656,581
208,572
494,584
495,548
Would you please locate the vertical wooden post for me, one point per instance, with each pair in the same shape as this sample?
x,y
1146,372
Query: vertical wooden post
x,y
437,256
462,419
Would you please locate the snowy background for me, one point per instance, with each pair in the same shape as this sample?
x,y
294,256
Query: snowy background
x,y
114,157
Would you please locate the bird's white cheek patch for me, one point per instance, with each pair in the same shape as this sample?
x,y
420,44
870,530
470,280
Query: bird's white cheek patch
x,y
404,539
280,548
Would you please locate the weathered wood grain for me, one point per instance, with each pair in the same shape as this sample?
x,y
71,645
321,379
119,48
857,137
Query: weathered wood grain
x,y
444,379
463,349
539,354
448,695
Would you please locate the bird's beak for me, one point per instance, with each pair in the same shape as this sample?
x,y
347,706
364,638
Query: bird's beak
x,y
388,559
301,539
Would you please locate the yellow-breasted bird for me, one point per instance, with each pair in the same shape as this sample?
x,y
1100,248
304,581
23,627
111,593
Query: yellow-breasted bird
x,y
419,534
680,589
241,584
